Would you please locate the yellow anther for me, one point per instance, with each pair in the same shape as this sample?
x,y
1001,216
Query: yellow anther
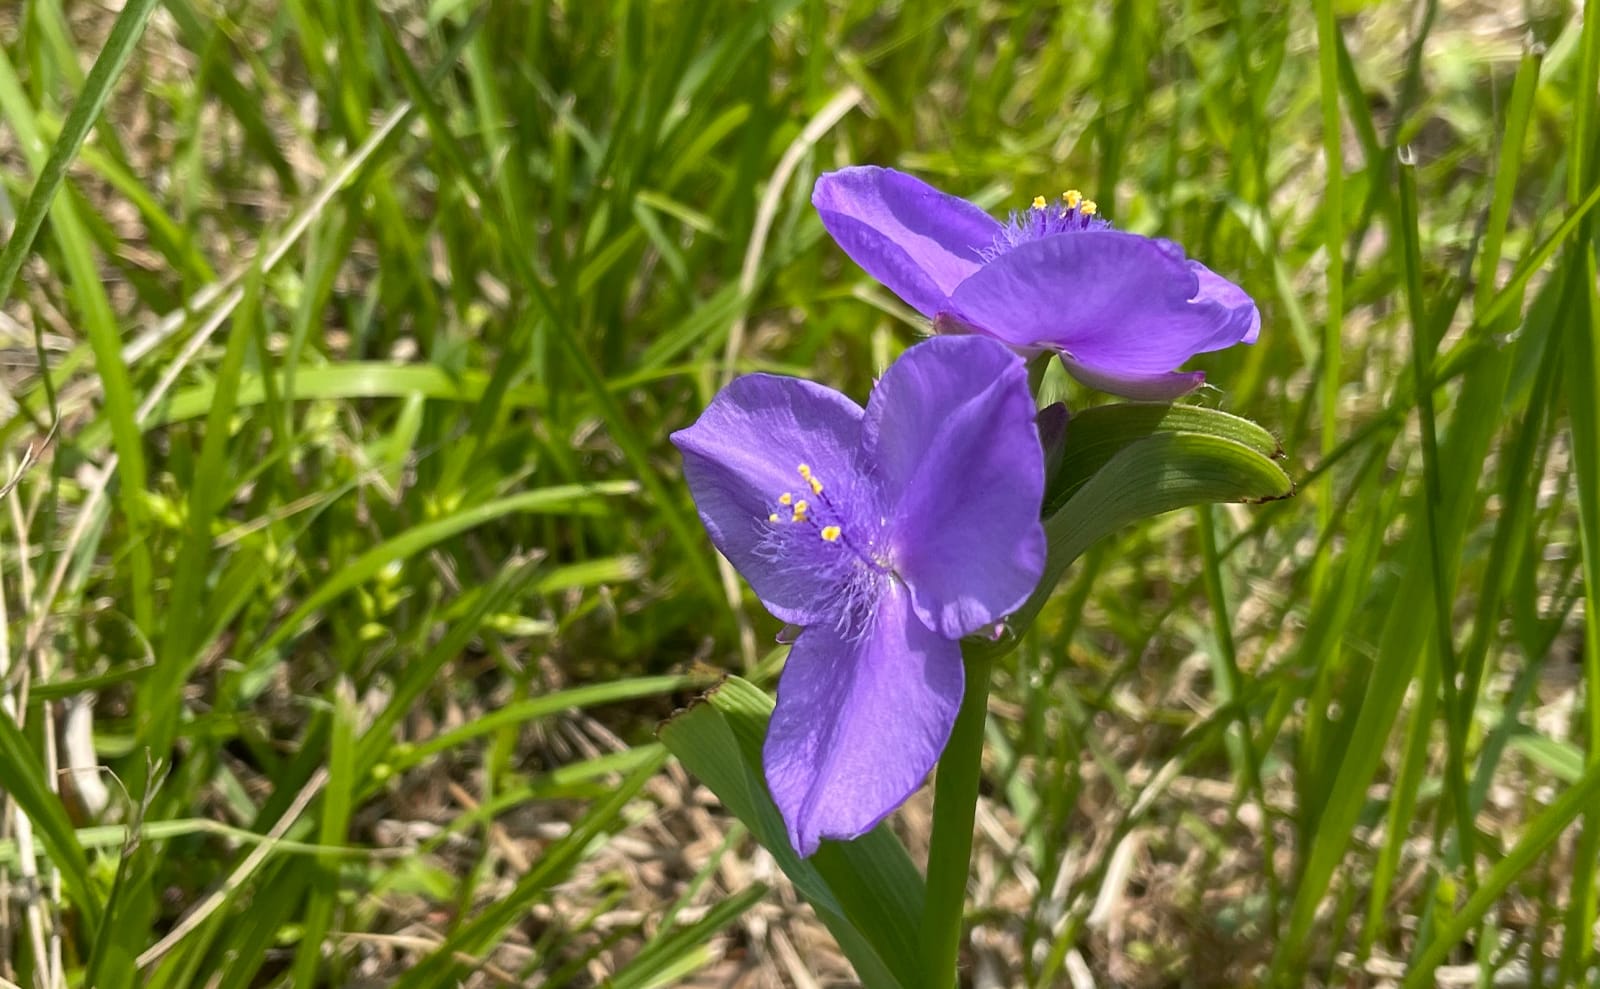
x,y
1088,208
1038,202
1072,198
831,533
773,517
800,510
805,471
786,498
816,485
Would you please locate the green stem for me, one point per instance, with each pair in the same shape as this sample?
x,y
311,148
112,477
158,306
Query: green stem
x,y
955,803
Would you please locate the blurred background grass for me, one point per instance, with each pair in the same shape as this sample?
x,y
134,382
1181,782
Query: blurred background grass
x,y
347,569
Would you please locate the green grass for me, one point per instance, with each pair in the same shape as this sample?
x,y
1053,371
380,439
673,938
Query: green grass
x,y
342,345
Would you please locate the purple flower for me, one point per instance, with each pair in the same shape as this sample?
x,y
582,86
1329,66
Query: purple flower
x,y
887,534
1123,311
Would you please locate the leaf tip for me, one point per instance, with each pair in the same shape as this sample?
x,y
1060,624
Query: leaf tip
x,y
703,697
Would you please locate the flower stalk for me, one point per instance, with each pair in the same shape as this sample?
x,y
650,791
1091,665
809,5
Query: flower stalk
x,y
955,803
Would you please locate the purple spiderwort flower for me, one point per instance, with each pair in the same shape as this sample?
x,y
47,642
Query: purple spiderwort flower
x,y
1122,310
887,534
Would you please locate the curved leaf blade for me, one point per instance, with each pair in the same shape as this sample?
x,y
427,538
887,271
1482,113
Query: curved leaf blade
x,y
868,892
1096,435
1163,472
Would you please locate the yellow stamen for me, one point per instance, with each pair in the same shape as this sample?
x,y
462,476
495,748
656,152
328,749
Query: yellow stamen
x,y
773,517
1088,208
786,498
805,471
816,485
831,533
1038,202
800,510
1072,198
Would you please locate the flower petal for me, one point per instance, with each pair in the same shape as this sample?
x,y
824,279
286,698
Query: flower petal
x,y
951,432
1140,387
1122,304
1244,319
743,453
859,722
916,240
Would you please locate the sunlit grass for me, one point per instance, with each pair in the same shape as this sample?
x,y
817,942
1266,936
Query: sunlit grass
x,y
337,382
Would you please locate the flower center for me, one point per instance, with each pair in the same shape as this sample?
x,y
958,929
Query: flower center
x,y
828,520
810,532
1070,214
823,516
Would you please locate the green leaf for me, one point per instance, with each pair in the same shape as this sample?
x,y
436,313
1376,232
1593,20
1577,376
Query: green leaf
x,y
867,891
128,913
322,897
85,111
161,693
344,380
543,706
1167,469
1096,435
673,955
23,779
1560,759
1540,834
554,864
1162,473
561,498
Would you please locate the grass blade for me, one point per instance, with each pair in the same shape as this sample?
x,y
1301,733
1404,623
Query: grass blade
x,y
866,891
23,779
564,498
96,89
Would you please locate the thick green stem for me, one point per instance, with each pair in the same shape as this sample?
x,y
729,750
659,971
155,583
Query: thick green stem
x,y
955,804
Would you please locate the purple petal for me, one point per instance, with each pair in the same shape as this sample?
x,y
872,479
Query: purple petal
x,y
916,240
743,453
948,324
1244,322
1139,387
859,722
951,431
1122,305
